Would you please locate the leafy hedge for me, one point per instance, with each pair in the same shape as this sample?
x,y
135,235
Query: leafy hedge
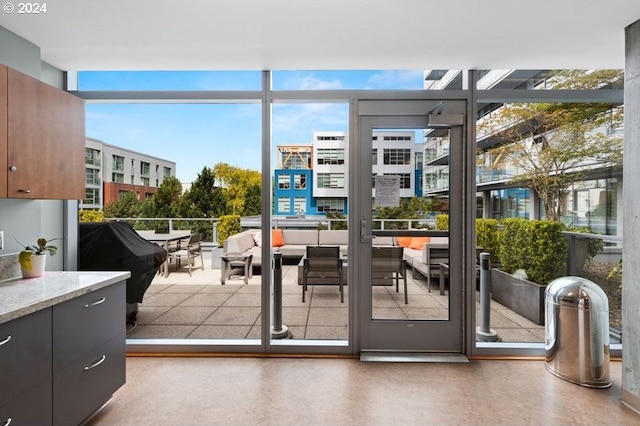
x,y
537,246
442,222
91,216
486,233
513,240
487,237
228,225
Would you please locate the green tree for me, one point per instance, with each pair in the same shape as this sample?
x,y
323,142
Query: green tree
x,y
127,205
240,185
553,145
164,203
204,199
253,200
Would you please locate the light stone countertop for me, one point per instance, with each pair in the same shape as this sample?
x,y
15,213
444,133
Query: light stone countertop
x,y
20,297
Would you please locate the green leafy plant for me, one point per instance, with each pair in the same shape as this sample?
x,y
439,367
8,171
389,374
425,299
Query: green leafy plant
x,y
547,253
442,222
512,240
616,271
91,216
537,246
42,246
228,225
487,237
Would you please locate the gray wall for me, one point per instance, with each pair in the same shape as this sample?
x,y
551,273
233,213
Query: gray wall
x,y
30,219
631,236
20,54
51,75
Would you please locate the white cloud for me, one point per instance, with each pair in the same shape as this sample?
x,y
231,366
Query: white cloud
x,y
296,123
405,79
308,81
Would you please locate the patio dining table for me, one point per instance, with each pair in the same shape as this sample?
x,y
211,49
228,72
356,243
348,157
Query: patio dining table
x,y
163,240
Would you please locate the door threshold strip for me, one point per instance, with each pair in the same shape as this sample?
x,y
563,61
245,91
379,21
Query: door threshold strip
x,y
411,357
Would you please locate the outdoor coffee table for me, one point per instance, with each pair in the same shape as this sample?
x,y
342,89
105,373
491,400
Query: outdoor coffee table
x,y
236,264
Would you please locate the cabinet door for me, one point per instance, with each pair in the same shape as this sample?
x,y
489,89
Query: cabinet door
x,y
33,407
25,353
84,386
46,138
4,166
83,323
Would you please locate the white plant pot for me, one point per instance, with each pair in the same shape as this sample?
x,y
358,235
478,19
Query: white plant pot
x,y
37,266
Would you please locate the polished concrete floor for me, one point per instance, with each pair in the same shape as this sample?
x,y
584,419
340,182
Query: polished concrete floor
x,y
326,391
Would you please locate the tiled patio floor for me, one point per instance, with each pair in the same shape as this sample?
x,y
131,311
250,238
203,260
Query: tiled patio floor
x,y
199,307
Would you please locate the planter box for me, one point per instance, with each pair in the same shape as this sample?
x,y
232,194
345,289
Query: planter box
x,y
523,297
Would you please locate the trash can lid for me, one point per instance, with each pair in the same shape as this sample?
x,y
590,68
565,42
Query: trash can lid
x,y
578,292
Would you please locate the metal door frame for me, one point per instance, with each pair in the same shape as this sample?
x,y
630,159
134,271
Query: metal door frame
x,y
401,336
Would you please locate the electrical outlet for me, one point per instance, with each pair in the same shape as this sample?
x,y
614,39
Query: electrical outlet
x,y
1,240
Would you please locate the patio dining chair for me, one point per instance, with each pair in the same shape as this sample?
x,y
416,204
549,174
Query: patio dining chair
x,y
189,251
322,265
387,264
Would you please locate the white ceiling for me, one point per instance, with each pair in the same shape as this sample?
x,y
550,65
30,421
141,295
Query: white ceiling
x,y
328,34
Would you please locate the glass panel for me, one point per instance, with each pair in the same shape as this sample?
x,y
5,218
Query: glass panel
x,y
407,271
570,155
205,161
349,80
169,80
308,213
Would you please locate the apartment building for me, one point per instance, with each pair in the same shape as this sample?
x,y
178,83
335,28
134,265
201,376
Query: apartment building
x,y
594,201
112,170
312,179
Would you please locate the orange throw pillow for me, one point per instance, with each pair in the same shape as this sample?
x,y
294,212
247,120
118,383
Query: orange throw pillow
x,y
418,242
404,241
277,240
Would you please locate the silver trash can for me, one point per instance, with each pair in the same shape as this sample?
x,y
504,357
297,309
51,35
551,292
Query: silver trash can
x,y
577,332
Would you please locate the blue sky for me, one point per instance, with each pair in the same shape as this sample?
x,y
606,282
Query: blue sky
x,y
199,135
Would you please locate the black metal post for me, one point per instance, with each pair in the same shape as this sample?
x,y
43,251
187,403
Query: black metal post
x,y
278,331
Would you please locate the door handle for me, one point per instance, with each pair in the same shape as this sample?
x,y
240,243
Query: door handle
x,y
365,232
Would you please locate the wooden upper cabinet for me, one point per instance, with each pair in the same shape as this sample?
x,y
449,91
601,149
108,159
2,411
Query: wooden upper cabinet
x,y
4,166
45,140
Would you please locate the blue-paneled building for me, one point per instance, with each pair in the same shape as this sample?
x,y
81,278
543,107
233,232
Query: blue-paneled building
x,y
312,179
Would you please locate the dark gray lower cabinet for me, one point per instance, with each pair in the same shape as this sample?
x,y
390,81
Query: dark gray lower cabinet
x,y
25,370
86,385
60,364
31,408
88,352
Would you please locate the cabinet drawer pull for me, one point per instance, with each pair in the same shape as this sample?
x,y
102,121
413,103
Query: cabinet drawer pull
x,y
97,302
95,364
5,340
8,422
24,191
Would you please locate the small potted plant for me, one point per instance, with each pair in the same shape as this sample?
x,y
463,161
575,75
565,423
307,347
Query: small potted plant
x,y
33,258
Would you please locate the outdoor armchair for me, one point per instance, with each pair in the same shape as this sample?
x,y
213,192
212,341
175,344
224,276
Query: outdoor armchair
x,y
323,264
387,264
189,251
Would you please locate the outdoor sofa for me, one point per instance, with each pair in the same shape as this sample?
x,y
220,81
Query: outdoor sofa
x,y
292,243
